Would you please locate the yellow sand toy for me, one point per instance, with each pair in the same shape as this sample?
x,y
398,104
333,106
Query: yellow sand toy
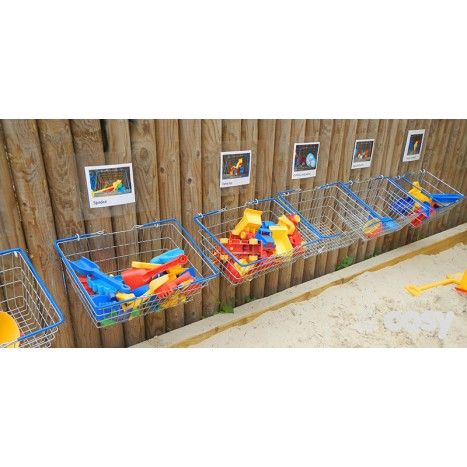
x,y
459,279
285,221
9,330
281,239
250,223
153,286
416,193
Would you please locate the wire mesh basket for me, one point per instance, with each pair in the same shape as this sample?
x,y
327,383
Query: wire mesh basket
x,y
243,251
427,195
29,316
334,216
122,275
385,202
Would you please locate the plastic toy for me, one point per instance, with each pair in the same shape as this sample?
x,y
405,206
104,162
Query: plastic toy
x,y
373,228
84,283
9,330
115,186
263,235
106,307
241,248
416,192
462,283
250,222
450,279
142,273
103,288
290,222
167,256
86,267
445,198
281,239
169,287
404,206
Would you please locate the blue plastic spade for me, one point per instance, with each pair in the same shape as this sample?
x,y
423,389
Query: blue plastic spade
x,y
105,306
167,256
445,198
86,267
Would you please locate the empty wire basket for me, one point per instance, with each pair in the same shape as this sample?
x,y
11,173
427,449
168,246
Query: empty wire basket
x,y
149,268
385,202
259,237
29,316
427,195
333,215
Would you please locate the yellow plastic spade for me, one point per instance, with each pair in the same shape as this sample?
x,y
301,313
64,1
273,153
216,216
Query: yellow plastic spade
x,y
450,279
9,330
153,286
416,192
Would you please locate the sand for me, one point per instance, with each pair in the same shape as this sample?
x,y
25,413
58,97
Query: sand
x,y
373,310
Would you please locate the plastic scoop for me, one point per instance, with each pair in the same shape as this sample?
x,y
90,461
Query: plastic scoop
x,y
445,198
169,287
9,330
86,267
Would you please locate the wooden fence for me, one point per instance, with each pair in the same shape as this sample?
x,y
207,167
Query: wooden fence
x,y
176,169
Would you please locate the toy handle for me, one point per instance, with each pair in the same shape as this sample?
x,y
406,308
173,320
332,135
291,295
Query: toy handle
x,y
111,281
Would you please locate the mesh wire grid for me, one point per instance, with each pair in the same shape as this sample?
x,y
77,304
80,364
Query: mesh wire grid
x,y
429,185
383,198
26,299
237,268
332,214
114,252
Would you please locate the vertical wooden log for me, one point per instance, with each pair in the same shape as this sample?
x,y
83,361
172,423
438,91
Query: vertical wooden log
x,y
231,136
38,223
249,140
211,138
62,176
315,265
11,230
169,192
265,163
117,134
297,135
372,133
279,182
87,143
144,157
346,170
192,202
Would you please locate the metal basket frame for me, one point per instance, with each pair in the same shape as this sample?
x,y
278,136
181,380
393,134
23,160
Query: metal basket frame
x,y
334,215
140,243
26,298
211,233
429,184
378,195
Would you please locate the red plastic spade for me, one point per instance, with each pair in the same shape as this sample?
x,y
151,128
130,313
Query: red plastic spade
x,y
169,287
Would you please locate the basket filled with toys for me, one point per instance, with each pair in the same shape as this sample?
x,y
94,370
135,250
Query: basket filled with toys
x,y
29,316
382,198
122,275
426,195
333,215
254,239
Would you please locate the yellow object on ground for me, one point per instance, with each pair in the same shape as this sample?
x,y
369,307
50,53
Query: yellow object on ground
x,y
286,222
417,193
463,283
281,240
251,222
450,279
9,330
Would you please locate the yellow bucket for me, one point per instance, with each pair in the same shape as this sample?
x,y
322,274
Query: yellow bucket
x,y
9,330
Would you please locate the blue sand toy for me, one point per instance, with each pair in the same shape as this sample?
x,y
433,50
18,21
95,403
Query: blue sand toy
x,y
445,198
86,267
263,234
100,287
141,290
107,305
403,206
167,256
